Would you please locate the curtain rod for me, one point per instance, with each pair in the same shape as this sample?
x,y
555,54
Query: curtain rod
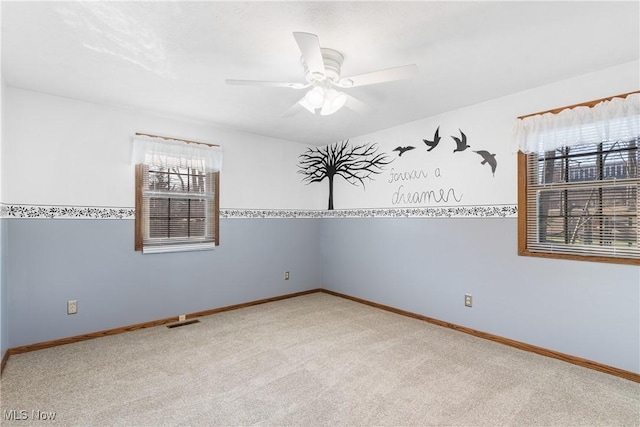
x,y
177,139
583,104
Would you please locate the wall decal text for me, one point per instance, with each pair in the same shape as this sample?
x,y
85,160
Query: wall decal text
x,y
427,196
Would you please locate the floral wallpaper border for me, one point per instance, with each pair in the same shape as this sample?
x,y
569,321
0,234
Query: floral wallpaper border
x,y
88,212
65,212
501,211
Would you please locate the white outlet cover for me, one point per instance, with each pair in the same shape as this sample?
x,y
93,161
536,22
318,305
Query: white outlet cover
x,y
72,307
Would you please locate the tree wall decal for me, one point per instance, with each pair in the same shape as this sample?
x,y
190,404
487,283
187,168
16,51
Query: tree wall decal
x,y
353,163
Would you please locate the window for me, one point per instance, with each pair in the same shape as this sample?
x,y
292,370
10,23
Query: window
x,y
578,182
176,195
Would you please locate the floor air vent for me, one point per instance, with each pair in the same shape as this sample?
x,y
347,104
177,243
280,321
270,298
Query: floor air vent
x,y
188,322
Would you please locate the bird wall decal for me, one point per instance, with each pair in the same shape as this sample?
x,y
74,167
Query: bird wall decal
x,y
490,159
401,150
436,140
461,143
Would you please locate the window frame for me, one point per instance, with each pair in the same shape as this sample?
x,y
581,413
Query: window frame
x,y
142,221
523,218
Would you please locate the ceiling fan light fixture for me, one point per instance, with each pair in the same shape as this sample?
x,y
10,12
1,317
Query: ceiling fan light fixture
x,y
333,101
307,105
315,97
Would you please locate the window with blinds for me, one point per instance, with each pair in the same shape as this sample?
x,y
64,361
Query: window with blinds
x,y
177,194
579,178
179,209
583,200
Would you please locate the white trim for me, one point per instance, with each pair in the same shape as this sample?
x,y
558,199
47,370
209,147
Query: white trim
x,y
187,247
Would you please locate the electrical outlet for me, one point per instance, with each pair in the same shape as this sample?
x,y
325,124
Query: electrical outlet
x,y
286,275
72,307
468,300
182,318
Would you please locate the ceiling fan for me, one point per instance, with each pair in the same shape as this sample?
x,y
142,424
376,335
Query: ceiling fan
x,y
322,73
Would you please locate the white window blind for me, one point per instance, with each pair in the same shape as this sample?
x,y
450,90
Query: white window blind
x,y
583,200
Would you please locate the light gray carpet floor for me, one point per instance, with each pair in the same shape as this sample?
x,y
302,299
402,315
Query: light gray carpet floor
x,y
311,361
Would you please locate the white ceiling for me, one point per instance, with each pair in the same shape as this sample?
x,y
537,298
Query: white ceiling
x,y
174,57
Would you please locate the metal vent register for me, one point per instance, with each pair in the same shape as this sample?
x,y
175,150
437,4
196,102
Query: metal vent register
x,y
188,322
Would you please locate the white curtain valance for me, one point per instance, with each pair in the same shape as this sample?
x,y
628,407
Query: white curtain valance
x,y
614,120
168,153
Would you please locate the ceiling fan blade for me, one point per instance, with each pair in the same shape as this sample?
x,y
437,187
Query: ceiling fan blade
x,y
310,48
265,83
297,108
391,74
356,105
294,110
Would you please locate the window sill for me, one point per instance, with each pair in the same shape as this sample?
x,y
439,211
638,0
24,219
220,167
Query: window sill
x,y
187,247
550,255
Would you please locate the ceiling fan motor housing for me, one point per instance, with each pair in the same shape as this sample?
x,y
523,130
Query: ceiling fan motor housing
x,y
332,63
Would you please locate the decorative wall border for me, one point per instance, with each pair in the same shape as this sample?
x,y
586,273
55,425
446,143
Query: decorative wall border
x,y
65,212
97,212
495,211
270,213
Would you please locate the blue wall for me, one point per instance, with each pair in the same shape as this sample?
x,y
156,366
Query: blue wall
x,y
426,265
4,313
93,261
